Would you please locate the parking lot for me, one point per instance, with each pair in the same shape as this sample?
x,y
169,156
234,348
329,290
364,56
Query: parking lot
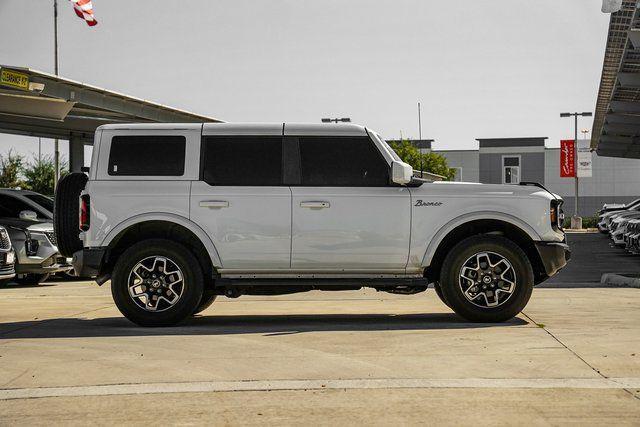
x,y
572,356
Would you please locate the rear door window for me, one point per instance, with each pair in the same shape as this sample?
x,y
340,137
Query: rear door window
x,y
242,160
153,155
342,161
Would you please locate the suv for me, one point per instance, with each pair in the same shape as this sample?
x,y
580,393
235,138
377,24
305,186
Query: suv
x,y
177,214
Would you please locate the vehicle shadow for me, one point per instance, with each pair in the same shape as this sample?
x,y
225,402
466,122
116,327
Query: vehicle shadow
x,y
269,325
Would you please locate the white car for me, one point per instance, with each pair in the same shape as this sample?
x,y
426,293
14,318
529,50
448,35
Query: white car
x,y
176,214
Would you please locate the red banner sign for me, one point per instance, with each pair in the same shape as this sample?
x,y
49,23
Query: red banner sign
x,y
567,158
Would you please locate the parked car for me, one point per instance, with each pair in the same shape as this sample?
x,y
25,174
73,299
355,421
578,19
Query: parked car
x,y
177,214
12,201
610,207
631,236
605,218
29,221
618,227
7,258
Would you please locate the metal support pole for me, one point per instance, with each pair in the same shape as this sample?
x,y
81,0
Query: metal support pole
x,y
575,160
420,139
55,66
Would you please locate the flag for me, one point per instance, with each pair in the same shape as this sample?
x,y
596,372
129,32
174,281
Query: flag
x,y
84,10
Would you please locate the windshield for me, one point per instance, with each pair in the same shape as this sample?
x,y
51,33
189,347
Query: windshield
x,y
388,148
44,201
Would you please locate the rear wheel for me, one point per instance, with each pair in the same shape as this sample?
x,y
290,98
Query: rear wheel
x,y
487,278
157,282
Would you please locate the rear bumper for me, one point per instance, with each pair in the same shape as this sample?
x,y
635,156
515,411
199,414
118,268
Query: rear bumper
x,y
554,256
88,262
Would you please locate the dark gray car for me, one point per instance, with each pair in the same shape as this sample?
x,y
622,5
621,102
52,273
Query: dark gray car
x,y
28,218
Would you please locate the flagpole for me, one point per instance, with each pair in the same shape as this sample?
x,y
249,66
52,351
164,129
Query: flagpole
x,y
55,47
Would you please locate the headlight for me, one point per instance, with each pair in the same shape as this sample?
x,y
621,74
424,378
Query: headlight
x,y
11,257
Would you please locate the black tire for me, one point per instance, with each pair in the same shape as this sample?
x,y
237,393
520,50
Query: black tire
x,y
4,283
31,279
66,211
205,302
193,283
452,289
438,289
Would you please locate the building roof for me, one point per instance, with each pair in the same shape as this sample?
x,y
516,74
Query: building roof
x,y
527,141
40,104
616,125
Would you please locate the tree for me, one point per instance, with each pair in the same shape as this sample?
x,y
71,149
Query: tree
x,y
10,169
430,162
40,176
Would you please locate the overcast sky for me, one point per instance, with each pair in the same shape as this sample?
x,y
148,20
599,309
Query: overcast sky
x,y
490,68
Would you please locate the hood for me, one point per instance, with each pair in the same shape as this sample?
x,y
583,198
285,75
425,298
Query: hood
x,y
627,217
41,226
489,190
626,214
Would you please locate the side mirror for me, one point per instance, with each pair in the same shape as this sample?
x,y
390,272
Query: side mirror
x,y
28,215
401,173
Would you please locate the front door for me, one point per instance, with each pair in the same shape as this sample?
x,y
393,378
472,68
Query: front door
x,y
241,203
346,215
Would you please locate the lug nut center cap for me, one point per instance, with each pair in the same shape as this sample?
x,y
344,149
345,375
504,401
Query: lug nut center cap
x,y
155,283
486,280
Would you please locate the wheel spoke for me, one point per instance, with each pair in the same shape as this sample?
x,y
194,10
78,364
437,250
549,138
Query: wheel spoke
x,y
487,279
156,283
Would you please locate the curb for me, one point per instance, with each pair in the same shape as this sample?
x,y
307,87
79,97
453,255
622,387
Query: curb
x,y
617,280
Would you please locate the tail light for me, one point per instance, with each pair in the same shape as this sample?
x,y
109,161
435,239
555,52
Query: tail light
x,y
85,204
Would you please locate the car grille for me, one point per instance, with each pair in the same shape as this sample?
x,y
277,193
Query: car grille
x,y
52,237
5,242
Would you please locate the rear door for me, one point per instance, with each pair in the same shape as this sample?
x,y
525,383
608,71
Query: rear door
x,y
347,217
240,200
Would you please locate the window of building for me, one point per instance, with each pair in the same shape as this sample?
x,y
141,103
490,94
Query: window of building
x,y
158,155
242,160
342,161
511,169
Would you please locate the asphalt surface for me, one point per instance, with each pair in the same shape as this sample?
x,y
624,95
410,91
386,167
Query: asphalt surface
x,y
572,357
68,357
592,255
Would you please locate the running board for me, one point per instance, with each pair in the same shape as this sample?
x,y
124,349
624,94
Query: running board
x,y
323,283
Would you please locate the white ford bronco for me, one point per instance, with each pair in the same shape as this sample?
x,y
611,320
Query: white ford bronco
x,y
177,214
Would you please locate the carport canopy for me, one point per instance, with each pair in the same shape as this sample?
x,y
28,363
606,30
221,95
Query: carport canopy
x,y
39,104
616,125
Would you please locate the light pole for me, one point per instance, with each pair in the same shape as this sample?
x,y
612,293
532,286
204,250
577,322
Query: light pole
x,y
343,120
420,139
575,157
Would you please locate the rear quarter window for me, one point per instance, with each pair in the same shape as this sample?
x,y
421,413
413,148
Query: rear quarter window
x,y
153,155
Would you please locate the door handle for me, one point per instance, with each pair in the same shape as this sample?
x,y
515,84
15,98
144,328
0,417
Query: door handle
x,y
214,204
315,205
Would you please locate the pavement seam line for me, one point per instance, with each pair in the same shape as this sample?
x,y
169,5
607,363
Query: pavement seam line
x,y
303,385
544,328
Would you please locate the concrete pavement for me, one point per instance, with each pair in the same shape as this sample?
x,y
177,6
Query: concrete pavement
x,y
368,357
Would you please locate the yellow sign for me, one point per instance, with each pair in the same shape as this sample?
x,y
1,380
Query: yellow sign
x,y
14,79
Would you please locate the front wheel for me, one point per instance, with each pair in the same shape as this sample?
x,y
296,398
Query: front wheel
x,y
487,278
157,282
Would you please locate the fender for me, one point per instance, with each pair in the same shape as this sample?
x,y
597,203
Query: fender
x,y
177,219
462,219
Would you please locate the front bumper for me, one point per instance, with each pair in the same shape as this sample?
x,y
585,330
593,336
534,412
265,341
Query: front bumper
x,y
88,262
554,256
54,264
